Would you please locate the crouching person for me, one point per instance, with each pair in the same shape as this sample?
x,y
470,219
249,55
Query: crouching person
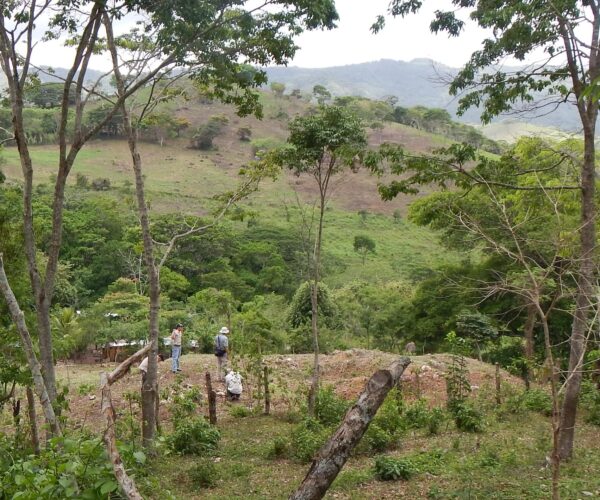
x,y
233,381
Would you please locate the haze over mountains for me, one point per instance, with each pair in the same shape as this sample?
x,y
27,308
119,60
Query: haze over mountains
x,y
414,83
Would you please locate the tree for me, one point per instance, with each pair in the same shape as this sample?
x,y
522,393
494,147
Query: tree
x,y
567,33
322,145
321,94
363,245
277,88
204,136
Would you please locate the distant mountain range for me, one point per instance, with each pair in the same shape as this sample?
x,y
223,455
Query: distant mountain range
x,y
414,83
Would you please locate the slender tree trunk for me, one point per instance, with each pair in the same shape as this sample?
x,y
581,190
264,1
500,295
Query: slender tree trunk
x,y
556,457
584,298
33,426
19,319
314,303
528,332
150,386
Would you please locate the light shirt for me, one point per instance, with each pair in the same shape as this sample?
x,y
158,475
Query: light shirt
x,y
234,382
221,341
144,365
176,337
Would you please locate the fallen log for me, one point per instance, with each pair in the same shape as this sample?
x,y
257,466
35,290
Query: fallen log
x,y
333,455
106,380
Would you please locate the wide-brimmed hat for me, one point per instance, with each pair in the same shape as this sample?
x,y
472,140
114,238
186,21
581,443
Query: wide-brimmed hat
x,y
224,330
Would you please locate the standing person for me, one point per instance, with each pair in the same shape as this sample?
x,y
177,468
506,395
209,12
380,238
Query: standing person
x,y
176,347
233,381
221,350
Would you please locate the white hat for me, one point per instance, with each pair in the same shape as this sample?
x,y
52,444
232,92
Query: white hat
x,y
224,330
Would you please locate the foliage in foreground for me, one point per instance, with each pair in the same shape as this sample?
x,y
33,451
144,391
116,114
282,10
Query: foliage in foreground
x,y
70,467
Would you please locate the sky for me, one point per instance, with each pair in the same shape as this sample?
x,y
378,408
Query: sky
x,y
352,42
402,39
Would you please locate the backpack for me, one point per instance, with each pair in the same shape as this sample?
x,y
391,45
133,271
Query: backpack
x,y
219,351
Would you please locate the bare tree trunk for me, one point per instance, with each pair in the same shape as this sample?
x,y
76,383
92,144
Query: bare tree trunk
x,y
556,458
150,385
584,298
314,303
106,380
35,439
38,380
212,400
528,332
334,454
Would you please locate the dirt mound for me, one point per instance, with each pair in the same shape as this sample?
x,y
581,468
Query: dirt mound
x,y
347,371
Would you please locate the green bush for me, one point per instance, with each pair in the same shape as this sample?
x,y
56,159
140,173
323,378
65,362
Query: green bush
x,y
392,469
204,474
378,439
390,414
467,418
239,411
69,467
194,436
329,408
306,439
437,417
590,403
416,415
531,400
278,448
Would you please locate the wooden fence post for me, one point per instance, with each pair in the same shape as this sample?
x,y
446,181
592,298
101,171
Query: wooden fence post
x,y
267,391
334,453
498,395
212,401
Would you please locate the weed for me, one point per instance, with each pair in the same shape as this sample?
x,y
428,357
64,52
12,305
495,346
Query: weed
x,y
239,411
531,400
350,479
204,474
278,448
84,389
392,469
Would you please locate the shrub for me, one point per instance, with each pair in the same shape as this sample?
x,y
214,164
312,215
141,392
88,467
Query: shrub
x,y
416,415
590,402
307,437
390,414
204,474
69,467
437,416
279,448
329,408
467,418
392,469
378,439
194,437
531,400
239,411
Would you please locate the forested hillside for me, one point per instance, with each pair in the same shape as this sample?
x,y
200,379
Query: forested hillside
x,y
212,275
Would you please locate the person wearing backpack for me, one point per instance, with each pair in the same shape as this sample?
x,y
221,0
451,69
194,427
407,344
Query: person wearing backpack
x,y
221,350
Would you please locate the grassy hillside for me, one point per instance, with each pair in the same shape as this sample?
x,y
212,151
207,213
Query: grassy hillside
x,y
180,179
